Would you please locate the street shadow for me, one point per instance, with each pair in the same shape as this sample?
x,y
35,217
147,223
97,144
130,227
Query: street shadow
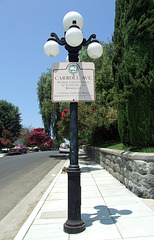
x,y
59,157
106,216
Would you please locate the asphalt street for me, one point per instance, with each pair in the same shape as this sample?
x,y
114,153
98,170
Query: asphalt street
x,y
19,174
23,180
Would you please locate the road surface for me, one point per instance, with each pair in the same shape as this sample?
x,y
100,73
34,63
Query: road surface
x,y
20,178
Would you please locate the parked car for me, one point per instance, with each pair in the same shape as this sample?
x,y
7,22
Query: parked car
x,y
64,148
18,149
5,150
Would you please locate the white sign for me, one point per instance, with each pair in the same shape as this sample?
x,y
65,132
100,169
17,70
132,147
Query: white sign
x,y
73,82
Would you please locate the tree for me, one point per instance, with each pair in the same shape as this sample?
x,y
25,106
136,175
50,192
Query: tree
x,y
105,114
23,135
38,138
134,71
10,121
50,111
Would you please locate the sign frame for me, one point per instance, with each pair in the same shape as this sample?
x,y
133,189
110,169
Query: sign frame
x,y
73,82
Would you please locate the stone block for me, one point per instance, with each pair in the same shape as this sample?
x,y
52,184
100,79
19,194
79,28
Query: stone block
x,y
151,193
118,176
137,179
107,161
148,181
110,170
141,167
151,167
128,174
113,158
119,161
123,171
140,191
108,156
116,168
129,165
126,182
130,185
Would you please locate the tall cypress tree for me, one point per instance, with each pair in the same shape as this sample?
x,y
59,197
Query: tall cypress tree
x,y
134,71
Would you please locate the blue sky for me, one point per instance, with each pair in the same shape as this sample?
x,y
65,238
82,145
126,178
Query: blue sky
x,y
25,25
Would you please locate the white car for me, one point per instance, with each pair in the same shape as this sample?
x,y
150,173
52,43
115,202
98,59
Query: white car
x,y
64,148
5,150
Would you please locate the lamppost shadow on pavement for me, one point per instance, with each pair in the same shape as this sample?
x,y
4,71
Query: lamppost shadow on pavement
x,y
89,169
106,216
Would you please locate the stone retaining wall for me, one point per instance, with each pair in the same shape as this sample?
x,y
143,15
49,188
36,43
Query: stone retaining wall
x,y
135,170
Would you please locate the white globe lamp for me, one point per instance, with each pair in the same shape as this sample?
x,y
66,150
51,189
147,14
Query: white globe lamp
x,y
72,18
51,48
94,50
74,37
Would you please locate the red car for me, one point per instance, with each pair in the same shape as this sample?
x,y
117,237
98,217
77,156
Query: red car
x,y
18,149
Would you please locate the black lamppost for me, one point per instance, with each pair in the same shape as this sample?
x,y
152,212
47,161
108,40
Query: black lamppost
x,y
73,42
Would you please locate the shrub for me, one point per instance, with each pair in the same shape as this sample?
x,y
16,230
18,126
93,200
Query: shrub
x,y
38,138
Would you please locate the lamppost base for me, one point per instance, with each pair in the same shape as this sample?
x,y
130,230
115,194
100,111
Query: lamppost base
x,y
74,223
74,226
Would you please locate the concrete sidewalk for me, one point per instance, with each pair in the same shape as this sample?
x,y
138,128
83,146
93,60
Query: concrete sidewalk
x,y
109,210
2,154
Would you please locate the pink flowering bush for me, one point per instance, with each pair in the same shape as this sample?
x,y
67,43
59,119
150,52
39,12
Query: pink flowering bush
x,y
63,114
38,137
6,143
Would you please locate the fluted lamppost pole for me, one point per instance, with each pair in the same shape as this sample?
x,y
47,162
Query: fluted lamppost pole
x,y
73,42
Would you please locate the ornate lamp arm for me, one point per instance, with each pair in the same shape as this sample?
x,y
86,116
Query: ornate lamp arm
x,y
86,42
55,38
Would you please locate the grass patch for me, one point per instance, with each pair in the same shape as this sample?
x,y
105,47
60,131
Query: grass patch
x,y
120,146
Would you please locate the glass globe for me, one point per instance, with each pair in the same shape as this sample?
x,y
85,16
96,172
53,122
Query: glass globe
x,y
94,50
74,37
73,18
51,48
